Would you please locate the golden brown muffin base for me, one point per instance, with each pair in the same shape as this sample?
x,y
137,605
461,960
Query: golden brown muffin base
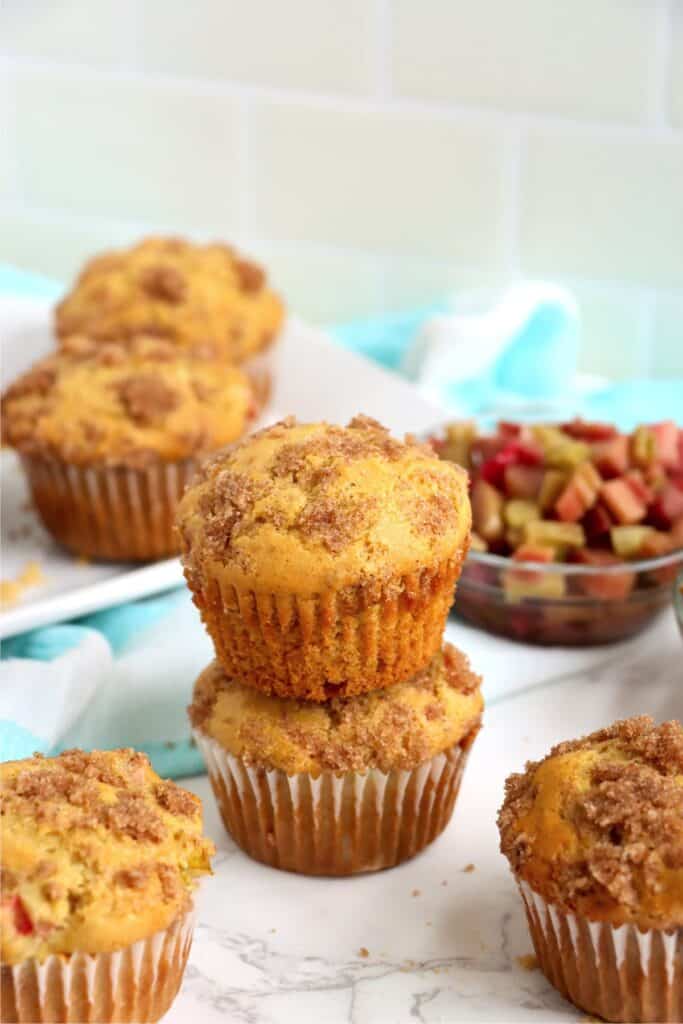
x,y
620,974
113,513
137,983
335,824
331,645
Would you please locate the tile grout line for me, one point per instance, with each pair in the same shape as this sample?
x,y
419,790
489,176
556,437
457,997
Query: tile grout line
x,y
661,67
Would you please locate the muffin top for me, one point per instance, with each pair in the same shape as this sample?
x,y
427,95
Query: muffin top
x,y
206,298
395,728
97,852
125,405
597,826
305,508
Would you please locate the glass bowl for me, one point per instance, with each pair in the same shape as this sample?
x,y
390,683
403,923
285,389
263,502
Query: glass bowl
x,y
678,600
563,603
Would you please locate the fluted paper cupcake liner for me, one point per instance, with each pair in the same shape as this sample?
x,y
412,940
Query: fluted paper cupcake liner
x,y
334,824
114,513
619,973
333,644
137,983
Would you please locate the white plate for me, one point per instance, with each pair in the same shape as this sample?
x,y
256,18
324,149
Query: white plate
x,y
316,379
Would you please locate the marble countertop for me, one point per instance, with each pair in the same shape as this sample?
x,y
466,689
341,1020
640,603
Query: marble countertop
x,y
439,938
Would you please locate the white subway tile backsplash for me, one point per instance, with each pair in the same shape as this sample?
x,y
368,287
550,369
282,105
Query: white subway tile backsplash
x,y
102,33
605,208
299,44
119,149
428,186
392,152
587,58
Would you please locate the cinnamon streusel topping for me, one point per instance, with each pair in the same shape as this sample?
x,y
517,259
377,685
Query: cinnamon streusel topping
x,y
387,729
309,507
97,852
125,404
597,826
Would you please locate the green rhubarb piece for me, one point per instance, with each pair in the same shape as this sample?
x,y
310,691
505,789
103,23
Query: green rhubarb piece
x,y
567,454
548,437
487,510
557,535
458,442
643,446
519,511
521,583
552,485
628,540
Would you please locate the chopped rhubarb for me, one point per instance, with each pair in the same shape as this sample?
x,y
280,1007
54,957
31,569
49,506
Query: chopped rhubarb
x,y
676,533
568,454
517,512
627,541
597,522
611,457
534,553
643,446
515,453
556,535
624,505
666,443
636,481
487,510
522,481
655,545
580,493
551,488
477,543
667,506
458,442
613,586
585,431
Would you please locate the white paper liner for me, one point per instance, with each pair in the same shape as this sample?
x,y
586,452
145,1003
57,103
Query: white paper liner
x,y
137,983
617,972
110,512
334,824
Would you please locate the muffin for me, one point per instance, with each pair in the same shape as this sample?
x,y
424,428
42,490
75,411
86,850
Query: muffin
x,y
109,435
594,836
203,298
100,858
354,784
323,559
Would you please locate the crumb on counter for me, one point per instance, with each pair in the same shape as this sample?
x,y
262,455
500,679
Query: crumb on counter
x,y
11,591
363,952
468,869
416,892
528,962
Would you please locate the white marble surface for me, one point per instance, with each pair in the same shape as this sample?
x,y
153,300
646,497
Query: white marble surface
x,y
442,943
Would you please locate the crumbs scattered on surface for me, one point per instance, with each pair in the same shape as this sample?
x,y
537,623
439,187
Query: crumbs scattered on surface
x,y
468,869
11,591
416,892
444,882
529,962
363,952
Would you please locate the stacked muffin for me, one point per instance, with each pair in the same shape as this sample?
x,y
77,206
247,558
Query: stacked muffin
x,y
334,723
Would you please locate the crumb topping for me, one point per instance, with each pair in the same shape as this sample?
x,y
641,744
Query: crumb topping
x,y
206,298
316,493
125,404
611,834
396,728
95,848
